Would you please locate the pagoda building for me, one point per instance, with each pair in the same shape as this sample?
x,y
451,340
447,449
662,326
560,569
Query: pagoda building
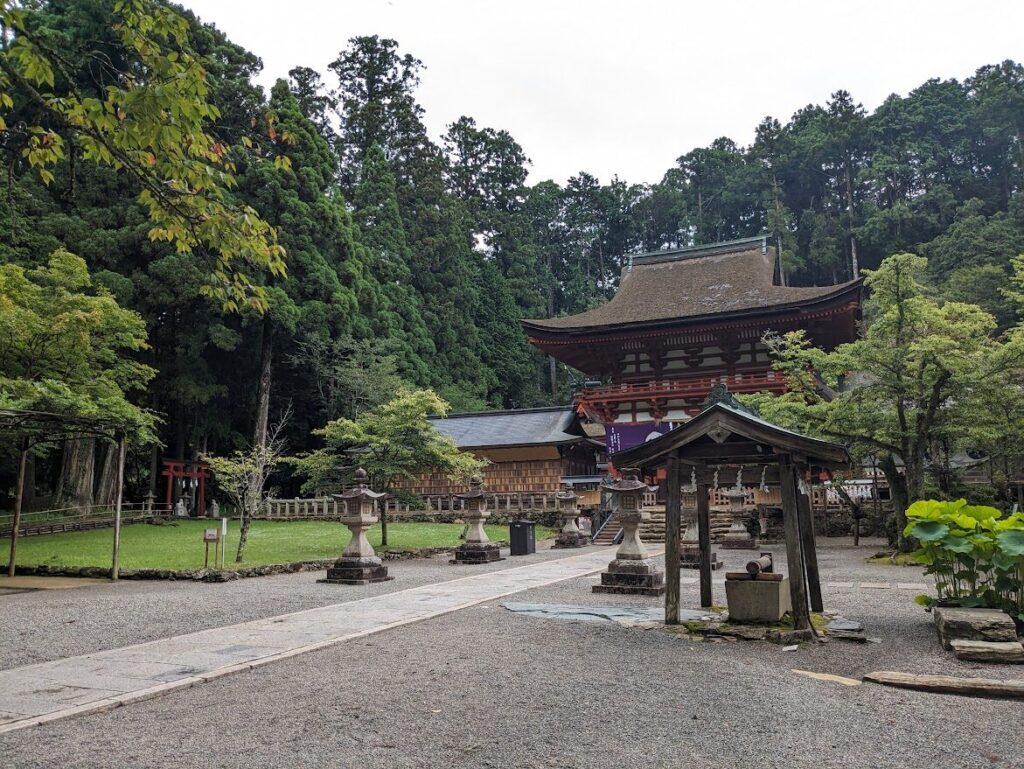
x,y
682,321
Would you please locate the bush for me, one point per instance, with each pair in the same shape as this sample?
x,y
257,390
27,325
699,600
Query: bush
x,y
976,555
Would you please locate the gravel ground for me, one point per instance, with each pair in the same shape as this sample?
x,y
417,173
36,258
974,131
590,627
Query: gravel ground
x,y
488,688
43,625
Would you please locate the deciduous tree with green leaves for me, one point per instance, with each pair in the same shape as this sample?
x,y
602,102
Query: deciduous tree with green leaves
x,y
926,373
392,442
148,116
66,346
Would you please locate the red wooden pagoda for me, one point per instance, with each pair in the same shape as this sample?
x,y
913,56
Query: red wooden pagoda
x,y
683,320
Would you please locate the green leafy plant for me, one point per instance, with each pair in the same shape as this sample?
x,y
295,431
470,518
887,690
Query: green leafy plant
x,y
975,554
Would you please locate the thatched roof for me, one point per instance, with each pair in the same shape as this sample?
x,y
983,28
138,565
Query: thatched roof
x,y
691,285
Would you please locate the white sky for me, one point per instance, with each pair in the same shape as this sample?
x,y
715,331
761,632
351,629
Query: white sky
x,y
626,87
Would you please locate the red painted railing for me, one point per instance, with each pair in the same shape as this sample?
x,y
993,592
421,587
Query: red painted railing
x,y
684,387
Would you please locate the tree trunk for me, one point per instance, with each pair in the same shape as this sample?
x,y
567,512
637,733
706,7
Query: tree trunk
x,y
259,438
899,494
106,488
76,474
263,397
29,492
854,264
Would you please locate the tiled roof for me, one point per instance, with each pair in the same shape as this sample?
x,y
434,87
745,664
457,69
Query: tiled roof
x,y
693,283
522,427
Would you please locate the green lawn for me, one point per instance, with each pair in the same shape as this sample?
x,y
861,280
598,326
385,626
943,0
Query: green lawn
x,y
180,545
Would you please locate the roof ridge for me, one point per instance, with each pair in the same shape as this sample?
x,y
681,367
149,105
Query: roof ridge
x,y
693,252
500,412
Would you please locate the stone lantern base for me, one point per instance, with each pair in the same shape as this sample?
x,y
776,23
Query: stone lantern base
x,y
356,571
477,552
738,540
689,558
571,539
633,577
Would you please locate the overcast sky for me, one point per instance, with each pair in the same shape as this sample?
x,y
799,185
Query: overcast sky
x,y
626,87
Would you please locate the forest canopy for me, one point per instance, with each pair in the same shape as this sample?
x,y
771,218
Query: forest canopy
x,y
379,254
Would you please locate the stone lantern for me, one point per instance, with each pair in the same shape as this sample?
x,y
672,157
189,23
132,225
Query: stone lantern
x,y
737,537
689,544
570,535
477,548
631,571
359,564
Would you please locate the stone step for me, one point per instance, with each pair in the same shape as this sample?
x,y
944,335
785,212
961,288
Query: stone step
x,y
1006,652
955,623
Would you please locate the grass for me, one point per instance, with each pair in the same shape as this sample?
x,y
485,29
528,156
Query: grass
x,y
897,559
180,545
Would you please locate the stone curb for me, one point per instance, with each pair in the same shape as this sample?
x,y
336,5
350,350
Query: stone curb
x,y
214,575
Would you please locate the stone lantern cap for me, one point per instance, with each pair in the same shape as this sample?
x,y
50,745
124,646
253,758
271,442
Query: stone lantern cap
x,y
629,482
475,489
567,493
360,491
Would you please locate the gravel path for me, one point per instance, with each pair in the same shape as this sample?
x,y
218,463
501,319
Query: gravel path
x,y
44,625
488,688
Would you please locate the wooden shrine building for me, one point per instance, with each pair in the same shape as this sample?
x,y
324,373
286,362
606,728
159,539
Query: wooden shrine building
x,y
683,320
529,450
725,435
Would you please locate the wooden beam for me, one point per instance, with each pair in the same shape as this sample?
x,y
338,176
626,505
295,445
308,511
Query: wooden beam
x,y
794,550
115,561
673,505
19,498
978,687
810,550
704,542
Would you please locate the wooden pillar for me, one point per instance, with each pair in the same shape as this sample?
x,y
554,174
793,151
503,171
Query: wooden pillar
x,y
170,487
115,562
704,542
672,515
19,498
202,494
794,550
810,550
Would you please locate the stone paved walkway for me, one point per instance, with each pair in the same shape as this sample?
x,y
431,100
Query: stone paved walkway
x,y
53,690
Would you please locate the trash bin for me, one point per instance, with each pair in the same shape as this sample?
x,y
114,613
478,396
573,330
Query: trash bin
x,y
523,537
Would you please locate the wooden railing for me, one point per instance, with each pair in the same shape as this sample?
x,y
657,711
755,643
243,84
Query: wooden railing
x,y
329,507
80,518
754,381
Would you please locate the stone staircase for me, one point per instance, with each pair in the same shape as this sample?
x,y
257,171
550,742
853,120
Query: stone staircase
x,y
653,530
609,532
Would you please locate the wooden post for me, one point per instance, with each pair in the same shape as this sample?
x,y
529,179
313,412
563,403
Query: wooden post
x,y
115,565
810,550
672,515
19,497
704,542
794,551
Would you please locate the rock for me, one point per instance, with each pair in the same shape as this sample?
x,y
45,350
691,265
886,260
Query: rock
x,y
847,635
791,648
973,625
846,625
1010,652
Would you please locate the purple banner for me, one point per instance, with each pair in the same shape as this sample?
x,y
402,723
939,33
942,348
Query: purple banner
x,y
622,437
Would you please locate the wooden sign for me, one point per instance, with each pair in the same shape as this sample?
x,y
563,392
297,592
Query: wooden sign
x,y
211,535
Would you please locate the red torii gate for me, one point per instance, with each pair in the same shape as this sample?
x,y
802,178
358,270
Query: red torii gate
x,y
175,469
